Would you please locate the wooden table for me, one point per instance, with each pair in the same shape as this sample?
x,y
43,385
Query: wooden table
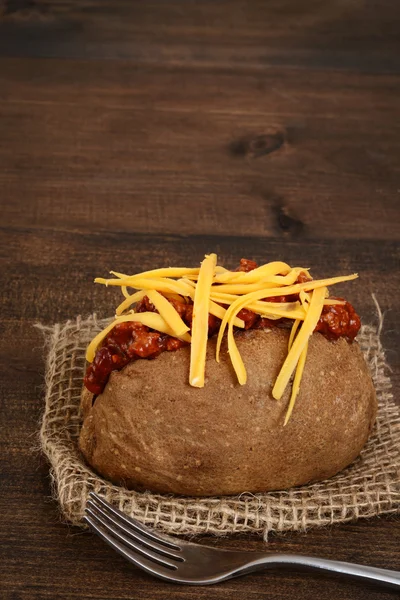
x,y
137,134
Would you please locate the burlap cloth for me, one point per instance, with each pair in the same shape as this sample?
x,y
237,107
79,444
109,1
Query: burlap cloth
x,y
369,487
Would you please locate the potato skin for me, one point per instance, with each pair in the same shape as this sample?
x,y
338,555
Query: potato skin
x,y
150,430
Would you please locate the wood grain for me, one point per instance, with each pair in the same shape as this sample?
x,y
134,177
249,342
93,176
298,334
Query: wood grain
x,y
107,148
135,135
346,34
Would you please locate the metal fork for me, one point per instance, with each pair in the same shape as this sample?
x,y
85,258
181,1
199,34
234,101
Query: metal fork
x,y
183,562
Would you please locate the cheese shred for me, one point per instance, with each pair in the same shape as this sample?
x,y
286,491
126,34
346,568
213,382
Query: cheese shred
x,y
296,383
307,328
198,347
168,313
216,291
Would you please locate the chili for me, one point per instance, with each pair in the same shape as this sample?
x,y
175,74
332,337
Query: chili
x,y
131,341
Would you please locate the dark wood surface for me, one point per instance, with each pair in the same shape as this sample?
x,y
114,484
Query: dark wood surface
x,y
141,134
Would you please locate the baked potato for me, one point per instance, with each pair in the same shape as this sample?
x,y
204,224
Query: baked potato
x,y
150,430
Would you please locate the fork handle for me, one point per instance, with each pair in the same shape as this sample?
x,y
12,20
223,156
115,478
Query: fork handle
x,y
390,578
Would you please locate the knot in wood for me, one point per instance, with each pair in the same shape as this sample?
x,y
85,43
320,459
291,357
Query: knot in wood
x,y
257,146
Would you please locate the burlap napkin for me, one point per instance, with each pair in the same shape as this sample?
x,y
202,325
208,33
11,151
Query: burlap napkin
x,y
369,487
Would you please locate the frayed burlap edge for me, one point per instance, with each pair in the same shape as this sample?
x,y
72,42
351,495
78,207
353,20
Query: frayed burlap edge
x,y
369,487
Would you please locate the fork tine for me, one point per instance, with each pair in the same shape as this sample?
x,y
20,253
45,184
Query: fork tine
x,y
130,533
157,569
135,525
128,545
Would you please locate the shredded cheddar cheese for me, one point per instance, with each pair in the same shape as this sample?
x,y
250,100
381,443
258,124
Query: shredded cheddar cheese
x,y
296,383
214,290
198,347
168,313
310,322
293,331
269,270
129,300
